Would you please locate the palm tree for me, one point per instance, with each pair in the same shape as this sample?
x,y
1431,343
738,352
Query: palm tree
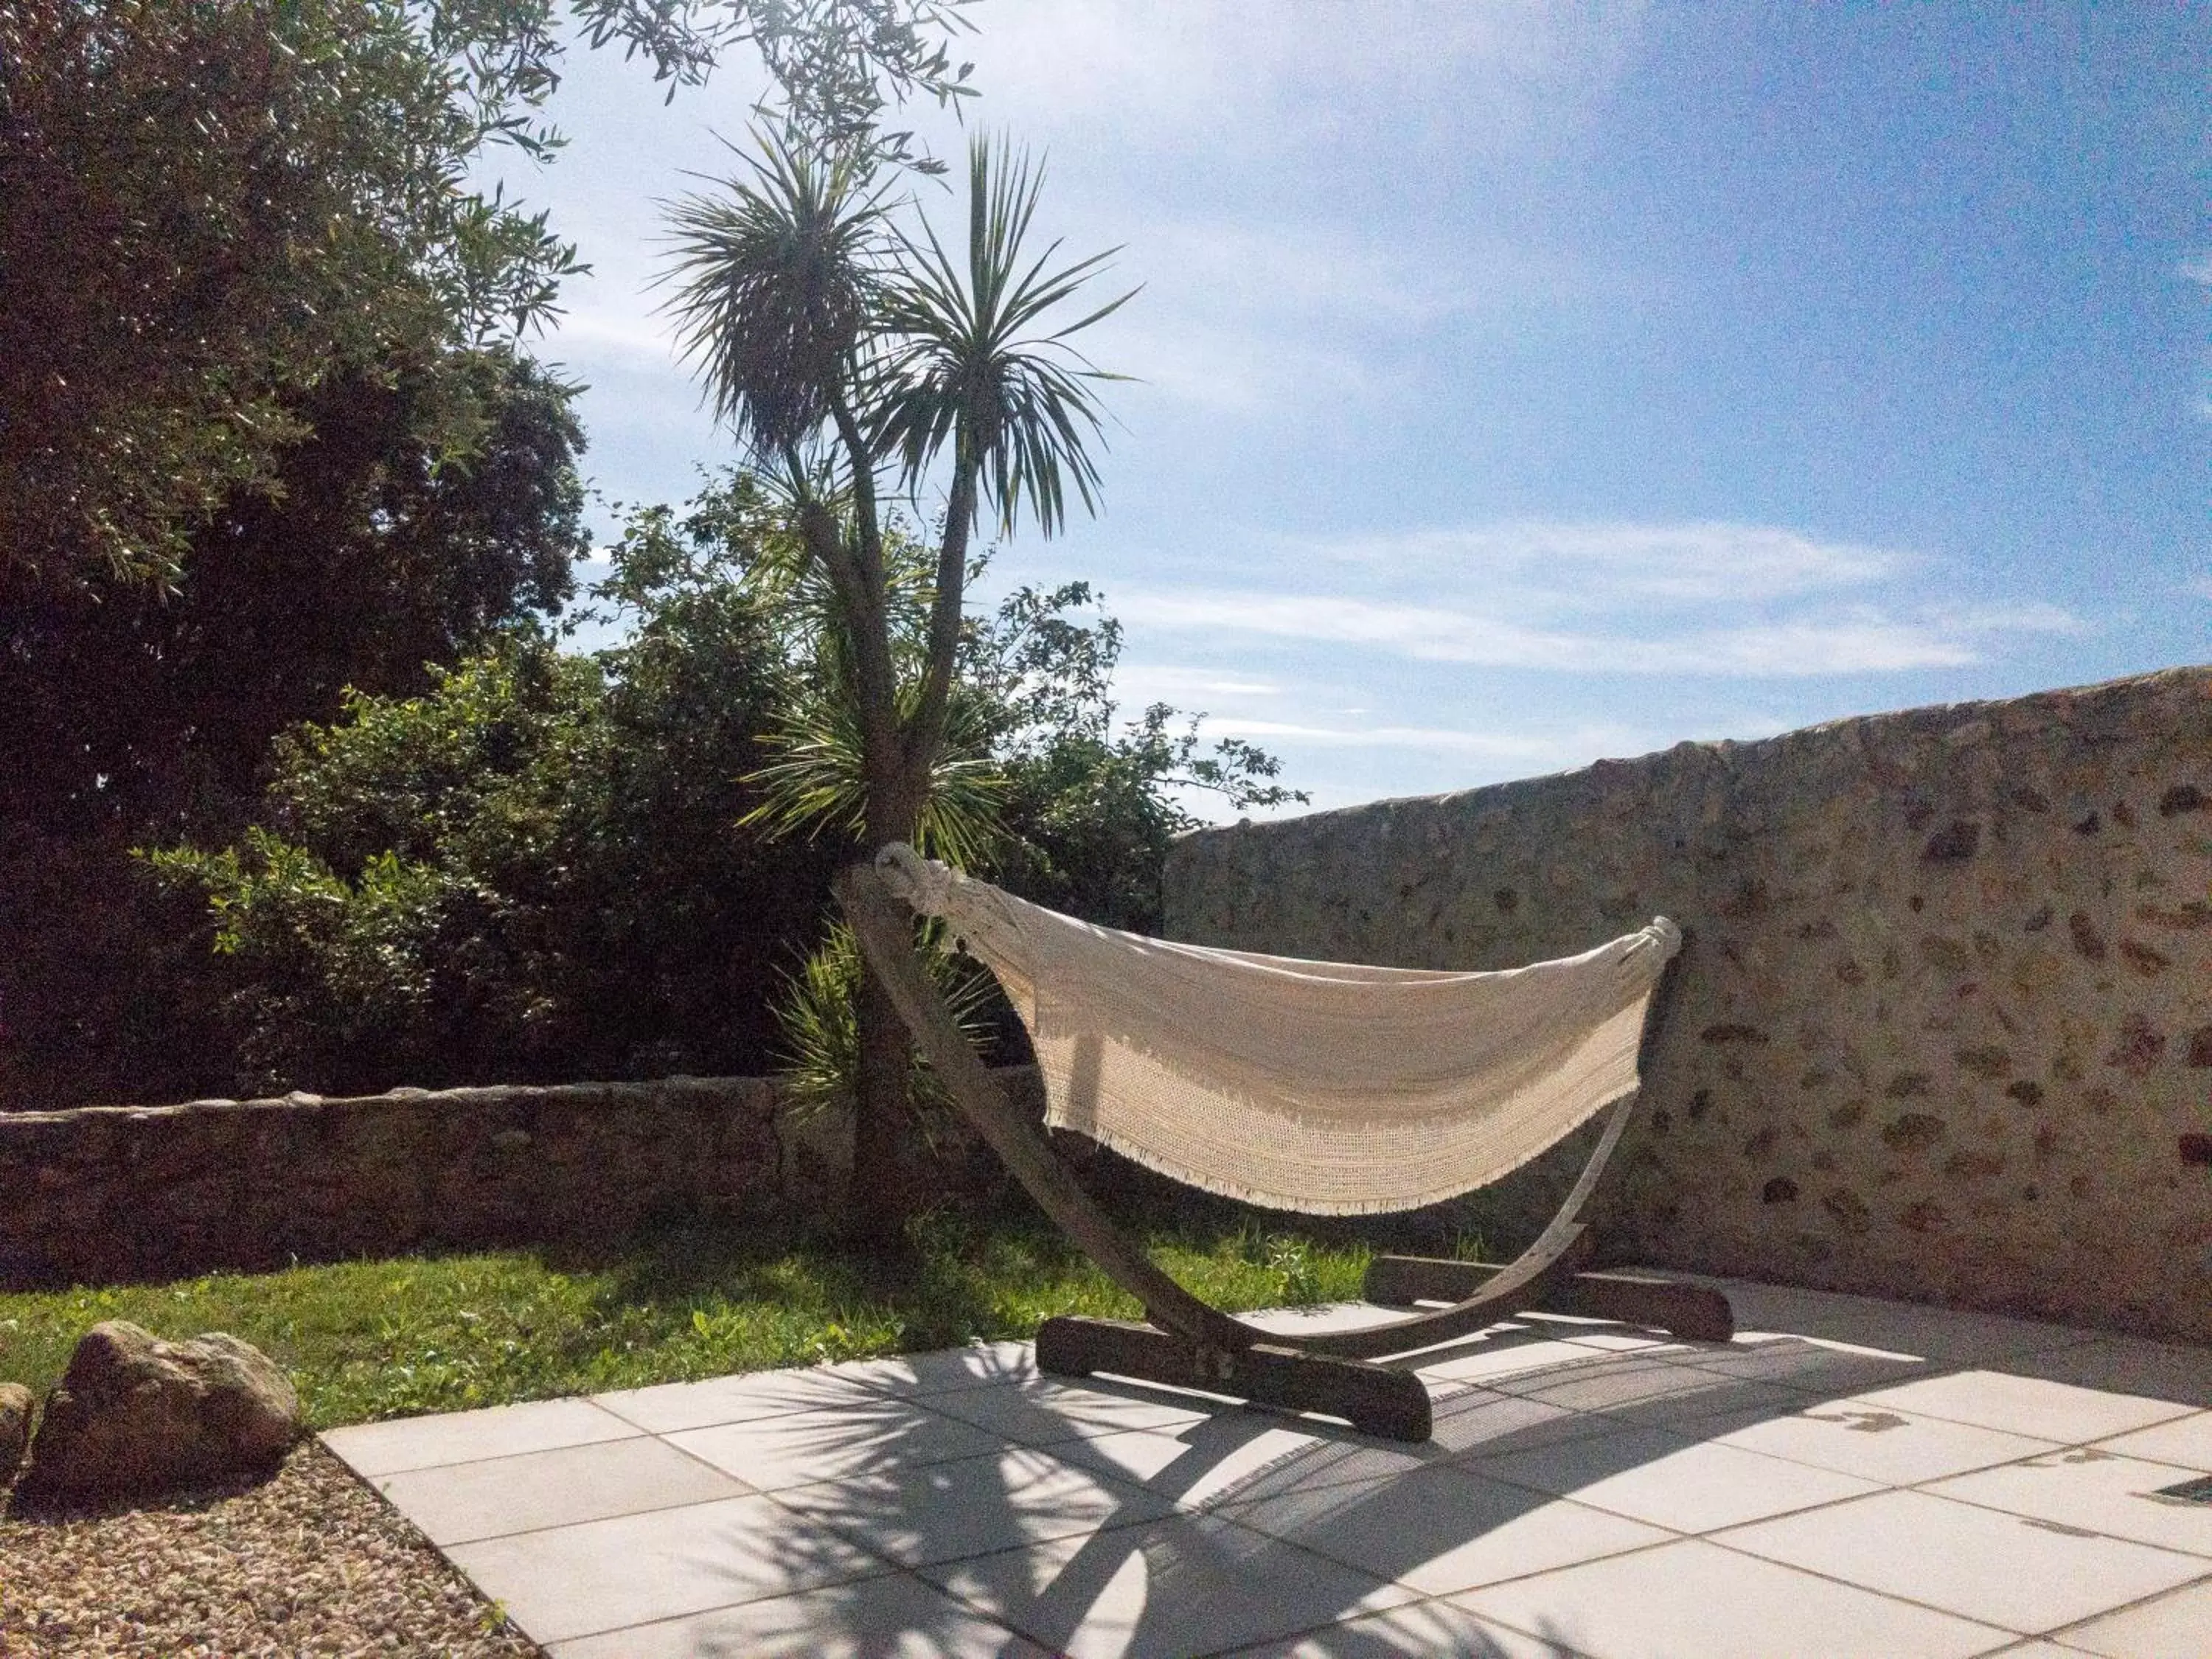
x,y
856,360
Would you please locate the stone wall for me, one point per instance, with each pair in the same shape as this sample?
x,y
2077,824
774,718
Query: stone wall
x,y
102,1194
1943,1027
112,1193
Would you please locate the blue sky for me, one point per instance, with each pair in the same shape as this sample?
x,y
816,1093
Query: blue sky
x,y
1521,384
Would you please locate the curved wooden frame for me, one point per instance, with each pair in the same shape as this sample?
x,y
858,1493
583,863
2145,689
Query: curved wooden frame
x,y
1191,1343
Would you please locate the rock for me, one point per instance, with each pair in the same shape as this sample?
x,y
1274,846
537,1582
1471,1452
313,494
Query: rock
x,y
134,1415
15,1403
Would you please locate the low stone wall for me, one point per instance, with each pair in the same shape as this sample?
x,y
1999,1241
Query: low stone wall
x,y
113,1193
1943,1027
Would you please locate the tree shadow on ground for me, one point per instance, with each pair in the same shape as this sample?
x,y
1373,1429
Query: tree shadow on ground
x,y
1230,1526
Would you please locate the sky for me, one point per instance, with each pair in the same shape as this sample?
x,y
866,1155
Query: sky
x,y
1519,384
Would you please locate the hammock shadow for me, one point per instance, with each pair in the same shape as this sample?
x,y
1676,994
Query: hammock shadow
x,y
1226,1526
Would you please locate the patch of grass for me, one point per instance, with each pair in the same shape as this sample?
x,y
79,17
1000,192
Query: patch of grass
x,y
367,1340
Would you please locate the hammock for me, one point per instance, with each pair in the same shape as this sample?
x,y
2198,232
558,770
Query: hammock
x,y
1328,1088
1319,1086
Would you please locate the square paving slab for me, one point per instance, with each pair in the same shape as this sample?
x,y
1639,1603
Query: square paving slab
x,y
1849,1476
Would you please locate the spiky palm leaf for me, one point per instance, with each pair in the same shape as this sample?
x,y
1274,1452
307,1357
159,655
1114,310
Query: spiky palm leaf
x,y
818,781
775,282
820,1038
966,365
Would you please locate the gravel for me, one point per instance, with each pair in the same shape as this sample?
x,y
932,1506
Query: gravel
x,y
307,1562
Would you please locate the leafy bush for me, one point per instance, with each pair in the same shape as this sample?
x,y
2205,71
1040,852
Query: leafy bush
x,y
531,872
556,867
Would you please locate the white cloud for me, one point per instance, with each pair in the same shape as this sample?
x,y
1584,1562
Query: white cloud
x,y
1693,562
2198,269
1231,370
1239,269
1258,72
1139,683
1518,747
1698,599
641,340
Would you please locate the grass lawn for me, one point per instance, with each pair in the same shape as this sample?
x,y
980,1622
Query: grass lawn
x,y
367,1340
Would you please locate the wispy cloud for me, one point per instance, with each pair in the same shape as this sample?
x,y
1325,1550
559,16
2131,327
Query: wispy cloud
x,y
1694,563
1154,70
632,336
1517,747
1139,683
1726,600
1232,370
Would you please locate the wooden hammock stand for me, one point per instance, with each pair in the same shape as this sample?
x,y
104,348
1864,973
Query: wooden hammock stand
x,y
1188,1343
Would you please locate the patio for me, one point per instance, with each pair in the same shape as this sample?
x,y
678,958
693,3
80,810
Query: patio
x,y
1849,1477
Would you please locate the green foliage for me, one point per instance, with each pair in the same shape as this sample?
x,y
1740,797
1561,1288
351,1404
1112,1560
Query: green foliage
x,y
821,1034
974,361
1090,803
155,711
776,282
206,211
369,1339
552,866
528,873
135,716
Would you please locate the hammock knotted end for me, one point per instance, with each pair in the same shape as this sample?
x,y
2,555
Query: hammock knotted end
x,y
924,884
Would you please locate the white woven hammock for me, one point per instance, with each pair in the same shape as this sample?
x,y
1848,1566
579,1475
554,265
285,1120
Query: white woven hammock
x,y
1324,1087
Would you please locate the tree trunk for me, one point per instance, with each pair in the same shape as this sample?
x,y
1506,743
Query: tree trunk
x,y
883,1187
877,1205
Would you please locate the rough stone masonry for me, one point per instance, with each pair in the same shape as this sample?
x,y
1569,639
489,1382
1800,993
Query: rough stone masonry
x,y
1943,1027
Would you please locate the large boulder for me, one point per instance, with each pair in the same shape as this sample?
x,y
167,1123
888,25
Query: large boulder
x,y
15,1403
134,1416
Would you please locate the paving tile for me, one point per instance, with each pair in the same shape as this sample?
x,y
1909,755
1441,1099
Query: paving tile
x,y
975,1506
1188,1585
1661,1479
1614,1340
420,1443
1442,1529
603,1575
891,1617
975,1366
1949,1335
671,1407
2062,1412
1237,1455
1692,1600
2170,1627
2185,1442
1637,1388
1485,1363
457,1502
1482,1423
2094,1488
1427,1630
1039,1412
1817,1368
875,1432
2120,1364
1894,1448
2024,1575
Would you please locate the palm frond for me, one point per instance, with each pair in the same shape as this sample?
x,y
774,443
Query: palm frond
x,y
821,1035
775,279
970,360
817,781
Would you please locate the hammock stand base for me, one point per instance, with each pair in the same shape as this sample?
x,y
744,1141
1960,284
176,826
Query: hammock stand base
x,y
1187,1342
